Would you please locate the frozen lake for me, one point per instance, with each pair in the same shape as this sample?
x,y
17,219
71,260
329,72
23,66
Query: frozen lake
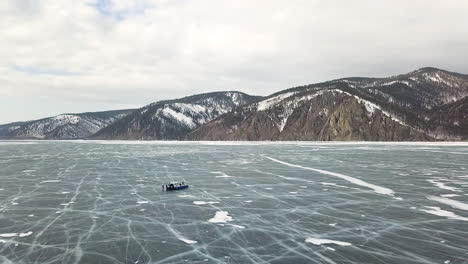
x,y
101,202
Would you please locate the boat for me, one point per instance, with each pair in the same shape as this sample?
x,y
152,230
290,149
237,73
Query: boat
x,y
175,186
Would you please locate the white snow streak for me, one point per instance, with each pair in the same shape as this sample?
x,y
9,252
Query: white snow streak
x,y
439,212
222,174
9,235
318,241
203,202
50,181
188,241
25,234
376,188
443,186
449,202
450,195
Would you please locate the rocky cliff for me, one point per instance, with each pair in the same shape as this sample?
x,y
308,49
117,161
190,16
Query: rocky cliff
x,y
427,104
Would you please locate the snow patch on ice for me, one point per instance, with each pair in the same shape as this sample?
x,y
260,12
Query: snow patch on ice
x,y
221,217
25,234
450,195
439,212
188,241
10,235
203,202
222,174
318,241
185,196
50,181
443,186
333,184
452,203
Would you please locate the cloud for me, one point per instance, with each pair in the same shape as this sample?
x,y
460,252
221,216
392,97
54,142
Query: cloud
x,y
132,52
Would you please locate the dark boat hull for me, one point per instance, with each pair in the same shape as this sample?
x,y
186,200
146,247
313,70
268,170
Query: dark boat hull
x,y
177,188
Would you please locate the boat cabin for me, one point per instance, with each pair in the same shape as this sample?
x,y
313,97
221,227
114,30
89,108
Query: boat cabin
x,y
174,186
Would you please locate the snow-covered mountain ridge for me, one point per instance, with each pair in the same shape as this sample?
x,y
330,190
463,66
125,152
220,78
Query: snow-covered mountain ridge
x,y
173,119
64,126
404,107
426,104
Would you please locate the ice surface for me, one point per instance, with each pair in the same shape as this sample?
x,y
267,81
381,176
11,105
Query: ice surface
x,y
78,202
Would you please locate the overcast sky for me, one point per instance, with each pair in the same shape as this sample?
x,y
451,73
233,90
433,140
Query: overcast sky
x,y
60,56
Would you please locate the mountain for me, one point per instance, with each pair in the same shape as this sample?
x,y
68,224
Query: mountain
x,y
174,119
427,104
65,126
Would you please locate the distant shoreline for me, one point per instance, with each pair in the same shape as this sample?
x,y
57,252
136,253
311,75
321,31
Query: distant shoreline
x,y
226,142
